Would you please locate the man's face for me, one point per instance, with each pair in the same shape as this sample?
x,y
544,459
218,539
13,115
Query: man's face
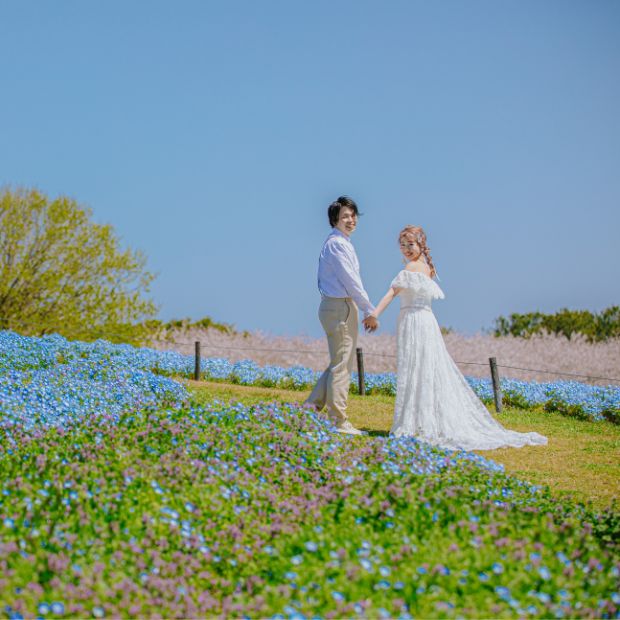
x,y
347,221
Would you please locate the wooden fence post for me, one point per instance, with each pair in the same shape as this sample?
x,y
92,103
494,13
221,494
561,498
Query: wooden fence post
x,y
197,362
497,390
361,383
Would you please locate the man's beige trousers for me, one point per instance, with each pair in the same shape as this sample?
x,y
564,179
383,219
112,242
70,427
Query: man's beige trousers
x,y
339,320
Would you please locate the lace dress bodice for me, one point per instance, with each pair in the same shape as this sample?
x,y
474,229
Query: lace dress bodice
x,y
418,290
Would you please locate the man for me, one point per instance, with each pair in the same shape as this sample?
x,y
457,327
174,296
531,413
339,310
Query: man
x,y
342,293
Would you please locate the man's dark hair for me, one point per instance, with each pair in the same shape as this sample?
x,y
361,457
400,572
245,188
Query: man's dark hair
x,y
333,211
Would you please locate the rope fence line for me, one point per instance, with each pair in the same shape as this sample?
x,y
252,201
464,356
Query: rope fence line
x,y
310,351
313,352
385,355
564,374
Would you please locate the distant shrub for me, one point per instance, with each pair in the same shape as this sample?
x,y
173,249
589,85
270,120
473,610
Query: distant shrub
x,y
595,327
159,329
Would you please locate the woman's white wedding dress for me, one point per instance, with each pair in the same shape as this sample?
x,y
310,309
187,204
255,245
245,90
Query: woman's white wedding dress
x,y
434,402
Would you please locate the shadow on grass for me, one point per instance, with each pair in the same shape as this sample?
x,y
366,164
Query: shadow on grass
x,y
375,433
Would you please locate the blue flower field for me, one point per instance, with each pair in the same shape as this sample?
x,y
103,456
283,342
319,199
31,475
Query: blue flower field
x,y
120,497
31,365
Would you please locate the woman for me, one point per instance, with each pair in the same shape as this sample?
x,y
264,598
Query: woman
x,y
433,400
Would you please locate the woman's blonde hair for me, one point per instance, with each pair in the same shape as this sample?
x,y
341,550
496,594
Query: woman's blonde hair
x,y
417,235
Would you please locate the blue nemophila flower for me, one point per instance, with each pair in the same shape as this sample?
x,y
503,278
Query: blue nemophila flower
x,y
498,568
562,557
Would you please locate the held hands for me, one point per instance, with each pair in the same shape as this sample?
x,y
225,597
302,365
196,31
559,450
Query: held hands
x,y
370,323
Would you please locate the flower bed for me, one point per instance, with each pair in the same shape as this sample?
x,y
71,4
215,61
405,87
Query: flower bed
x,y
50,381
118,498
87,362
265,511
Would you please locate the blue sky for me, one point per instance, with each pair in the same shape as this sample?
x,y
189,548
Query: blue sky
x,y
213,136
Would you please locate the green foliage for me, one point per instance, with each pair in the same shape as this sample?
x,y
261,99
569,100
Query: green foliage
x,y
567,409
62,273
607,526
612,415
596,327
208,323
512,398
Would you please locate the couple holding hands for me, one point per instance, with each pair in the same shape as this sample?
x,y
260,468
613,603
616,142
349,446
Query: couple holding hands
x,y
434,402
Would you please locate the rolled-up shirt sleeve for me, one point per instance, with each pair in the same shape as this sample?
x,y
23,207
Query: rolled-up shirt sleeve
x,y
345,270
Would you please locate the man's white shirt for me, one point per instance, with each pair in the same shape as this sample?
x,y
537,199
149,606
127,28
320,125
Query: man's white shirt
x,y
339,272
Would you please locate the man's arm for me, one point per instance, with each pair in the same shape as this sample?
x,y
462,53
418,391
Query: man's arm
x,y
347,274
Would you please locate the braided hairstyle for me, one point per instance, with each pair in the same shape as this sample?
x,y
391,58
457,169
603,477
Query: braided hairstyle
x,y
417,235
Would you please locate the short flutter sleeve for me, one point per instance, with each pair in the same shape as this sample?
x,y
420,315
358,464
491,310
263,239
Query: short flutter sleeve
x,y
418,282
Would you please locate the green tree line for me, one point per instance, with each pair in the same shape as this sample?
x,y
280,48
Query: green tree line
x,y
596,327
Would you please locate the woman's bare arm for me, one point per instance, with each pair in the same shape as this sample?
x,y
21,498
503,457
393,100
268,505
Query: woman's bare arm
x,y
385,302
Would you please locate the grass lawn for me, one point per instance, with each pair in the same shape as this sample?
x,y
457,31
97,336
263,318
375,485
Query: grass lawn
x,y
581,461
